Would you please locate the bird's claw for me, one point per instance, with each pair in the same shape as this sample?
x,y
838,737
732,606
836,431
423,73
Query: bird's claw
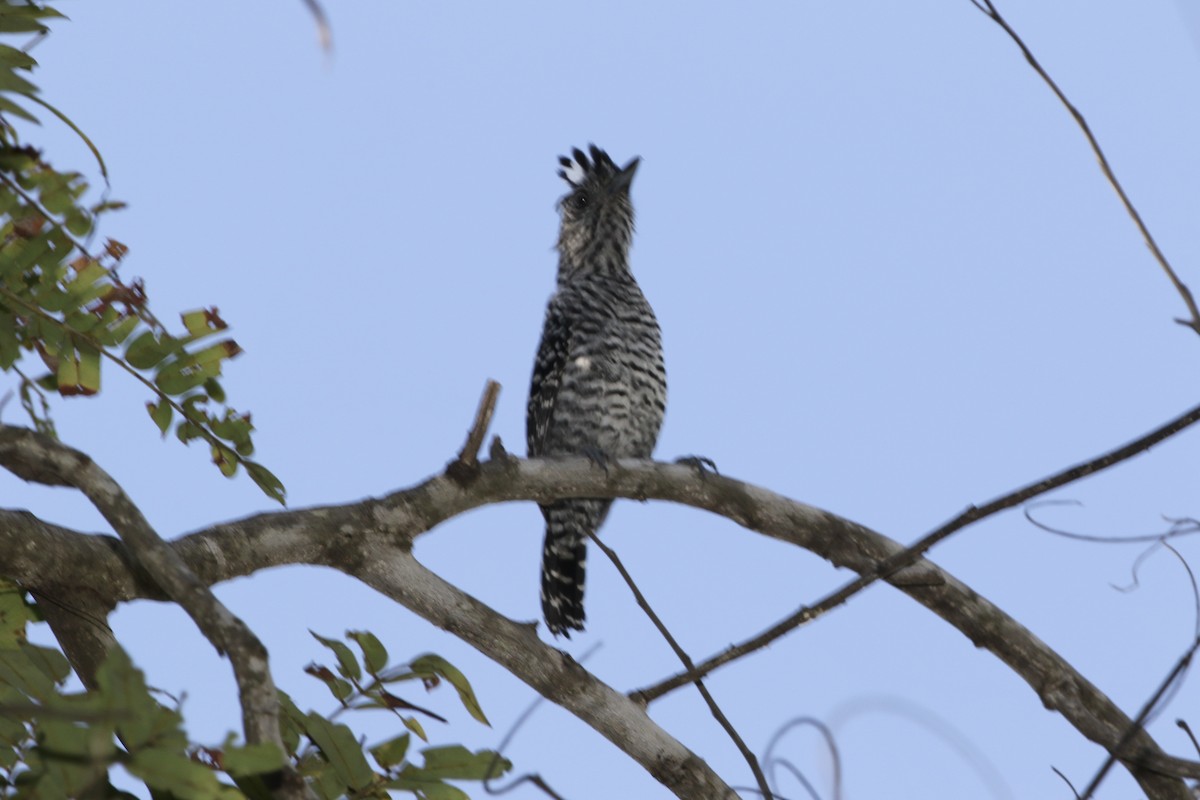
x,y
597,457
701,464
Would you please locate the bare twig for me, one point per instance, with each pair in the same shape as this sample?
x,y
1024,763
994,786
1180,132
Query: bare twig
x,y
324,30
909,555
1179,527
1187,729
1171,680
1067,781
682,655
465,467
483,418
835,756
989,9
1135,727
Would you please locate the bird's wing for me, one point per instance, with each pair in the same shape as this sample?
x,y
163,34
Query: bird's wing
x,y
548,369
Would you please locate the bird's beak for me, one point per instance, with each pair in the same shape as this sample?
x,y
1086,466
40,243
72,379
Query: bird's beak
x,y
625,176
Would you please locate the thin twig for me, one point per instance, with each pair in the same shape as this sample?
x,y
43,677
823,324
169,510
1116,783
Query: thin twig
x,y
1136,726
719,715
324,30
483,418
989,9
835,755
1187,729
465,468
1066,780
904,558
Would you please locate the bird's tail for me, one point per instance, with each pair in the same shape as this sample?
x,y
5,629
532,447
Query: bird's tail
x,y
564,557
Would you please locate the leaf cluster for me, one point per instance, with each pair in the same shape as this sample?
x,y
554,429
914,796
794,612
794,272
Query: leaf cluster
x,y
337,764
55,743
65,308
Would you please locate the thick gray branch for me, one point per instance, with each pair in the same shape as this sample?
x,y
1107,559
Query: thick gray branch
x,y
355,539
32,456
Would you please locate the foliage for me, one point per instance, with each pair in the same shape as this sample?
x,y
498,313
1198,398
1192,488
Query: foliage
x,y
337,765
55,743
63,305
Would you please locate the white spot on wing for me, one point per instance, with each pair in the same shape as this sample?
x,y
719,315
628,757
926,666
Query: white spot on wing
x,y
584,363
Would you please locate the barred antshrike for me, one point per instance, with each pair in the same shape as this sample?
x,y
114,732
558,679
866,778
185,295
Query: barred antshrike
x,y
599,386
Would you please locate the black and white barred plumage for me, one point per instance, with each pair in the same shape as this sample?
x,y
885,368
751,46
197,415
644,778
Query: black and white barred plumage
x,y
599,385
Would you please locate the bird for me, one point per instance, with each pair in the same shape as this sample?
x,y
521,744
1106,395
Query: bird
x,y
599,386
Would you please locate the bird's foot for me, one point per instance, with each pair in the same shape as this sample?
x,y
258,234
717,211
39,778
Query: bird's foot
x,y
701,464
597,457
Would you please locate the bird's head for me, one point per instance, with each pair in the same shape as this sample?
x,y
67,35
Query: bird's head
x,y
597,214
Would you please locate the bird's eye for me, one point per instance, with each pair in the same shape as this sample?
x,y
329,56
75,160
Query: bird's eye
x,y
580,200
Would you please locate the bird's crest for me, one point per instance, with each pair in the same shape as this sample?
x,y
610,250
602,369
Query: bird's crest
x,y
578,168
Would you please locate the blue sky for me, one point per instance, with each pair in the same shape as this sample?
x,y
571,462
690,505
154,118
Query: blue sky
x,y
892,283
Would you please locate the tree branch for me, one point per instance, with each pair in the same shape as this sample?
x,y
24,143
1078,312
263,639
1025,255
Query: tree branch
x,y
989,9
26,453
385,528
909,555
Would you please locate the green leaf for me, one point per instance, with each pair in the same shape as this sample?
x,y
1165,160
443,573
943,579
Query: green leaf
x,y
81,755
14,614
179,376
252,759
25,19
272,487
225,459
18,59
161,412
342,751
197,322
51,662
347,663
141,720
89,369
455,762
146,351
175,773
375,655
430,664
68,374
78,222
19,671
210,358
12,731
78,132
10,349
391,752
9,107
426,788
10,82
291,723
414,725
120,331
